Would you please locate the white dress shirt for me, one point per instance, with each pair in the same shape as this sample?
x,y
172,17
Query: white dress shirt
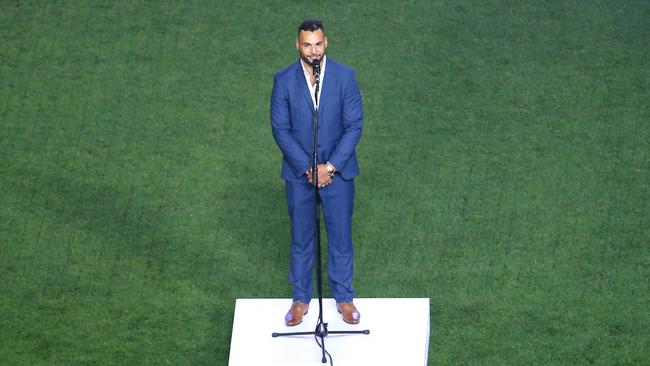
x,y
312,88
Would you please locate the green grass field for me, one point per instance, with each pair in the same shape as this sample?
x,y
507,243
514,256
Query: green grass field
x,y
505,175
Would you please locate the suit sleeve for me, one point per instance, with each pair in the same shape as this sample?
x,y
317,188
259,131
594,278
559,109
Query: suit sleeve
x,y
292,152
352,124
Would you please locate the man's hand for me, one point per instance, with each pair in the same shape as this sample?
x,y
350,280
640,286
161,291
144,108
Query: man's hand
x,y
324,179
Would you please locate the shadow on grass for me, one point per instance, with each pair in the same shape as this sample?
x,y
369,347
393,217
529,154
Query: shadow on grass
x,y
254,215
117,269
129,222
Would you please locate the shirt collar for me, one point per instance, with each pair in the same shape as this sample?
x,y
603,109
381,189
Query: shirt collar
x,y
322,67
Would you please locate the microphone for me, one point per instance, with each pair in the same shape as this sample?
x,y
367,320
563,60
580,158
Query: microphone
x,y
316,66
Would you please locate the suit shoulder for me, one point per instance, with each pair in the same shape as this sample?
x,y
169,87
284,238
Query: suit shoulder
x,y
339,67
282,73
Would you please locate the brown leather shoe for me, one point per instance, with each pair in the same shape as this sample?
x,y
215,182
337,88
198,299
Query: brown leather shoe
x,y
295,314
349,311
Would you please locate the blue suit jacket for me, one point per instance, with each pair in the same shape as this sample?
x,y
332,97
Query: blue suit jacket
x,y
340,120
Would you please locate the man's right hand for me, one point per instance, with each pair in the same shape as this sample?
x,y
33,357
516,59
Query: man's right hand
x,y
324,179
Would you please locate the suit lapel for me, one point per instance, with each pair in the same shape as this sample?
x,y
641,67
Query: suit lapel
x,y
329,84
302,84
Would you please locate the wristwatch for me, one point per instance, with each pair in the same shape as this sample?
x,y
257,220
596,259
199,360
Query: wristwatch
x,y
330,168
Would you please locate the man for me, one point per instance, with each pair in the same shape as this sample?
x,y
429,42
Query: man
x,y
340,120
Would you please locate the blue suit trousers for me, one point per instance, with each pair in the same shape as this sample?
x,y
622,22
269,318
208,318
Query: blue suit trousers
x,y
337,202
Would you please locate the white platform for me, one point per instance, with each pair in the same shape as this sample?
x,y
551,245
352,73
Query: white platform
x,y
391,341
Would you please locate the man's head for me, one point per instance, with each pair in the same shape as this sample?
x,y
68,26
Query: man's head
x,y
311,42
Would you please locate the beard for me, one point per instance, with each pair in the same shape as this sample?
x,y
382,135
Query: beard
x,y
308,61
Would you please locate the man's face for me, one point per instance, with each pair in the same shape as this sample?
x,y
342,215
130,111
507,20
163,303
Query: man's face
x,y
311,45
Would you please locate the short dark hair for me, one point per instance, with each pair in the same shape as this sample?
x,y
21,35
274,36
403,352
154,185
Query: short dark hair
x,y
310,25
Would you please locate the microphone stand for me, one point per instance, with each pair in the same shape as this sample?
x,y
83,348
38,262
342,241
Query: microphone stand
x,y
321,330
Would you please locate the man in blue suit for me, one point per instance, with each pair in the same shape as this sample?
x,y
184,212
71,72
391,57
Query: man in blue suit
x,y
340,120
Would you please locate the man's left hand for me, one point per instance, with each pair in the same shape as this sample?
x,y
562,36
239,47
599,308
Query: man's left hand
x,y
324,178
